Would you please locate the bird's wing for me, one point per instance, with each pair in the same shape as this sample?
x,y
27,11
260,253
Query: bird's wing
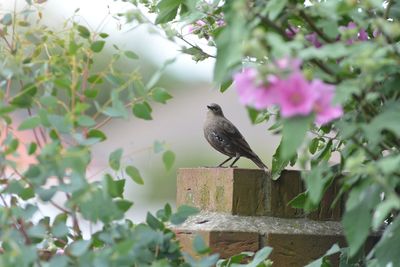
x,y
235,138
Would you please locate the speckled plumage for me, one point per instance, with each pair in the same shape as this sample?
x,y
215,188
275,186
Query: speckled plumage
x,y
226,138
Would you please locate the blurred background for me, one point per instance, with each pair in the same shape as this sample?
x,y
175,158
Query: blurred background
x,y
178,123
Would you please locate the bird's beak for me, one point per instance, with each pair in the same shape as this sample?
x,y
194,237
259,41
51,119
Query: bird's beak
x,y
209,107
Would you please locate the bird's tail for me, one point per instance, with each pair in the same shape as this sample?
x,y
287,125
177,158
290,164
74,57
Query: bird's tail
x,y
259,163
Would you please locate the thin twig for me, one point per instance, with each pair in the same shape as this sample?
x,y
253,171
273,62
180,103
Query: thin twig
x,y
272,25
59,207
34,131
315,28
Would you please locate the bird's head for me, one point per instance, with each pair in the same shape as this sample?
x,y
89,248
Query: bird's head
x,y
215,109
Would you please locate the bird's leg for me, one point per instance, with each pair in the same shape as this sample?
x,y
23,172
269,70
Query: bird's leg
x,y
236,159
220,165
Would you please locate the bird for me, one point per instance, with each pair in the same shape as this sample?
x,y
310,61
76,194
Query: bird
x,y
223,136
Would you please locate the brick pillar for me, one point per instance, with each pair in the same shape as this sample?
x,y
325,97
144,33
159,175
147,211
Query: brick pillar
x,y
244,210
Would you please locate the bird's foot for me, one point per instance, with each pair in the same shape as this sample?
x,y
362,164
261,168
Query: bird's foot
x,y
233,167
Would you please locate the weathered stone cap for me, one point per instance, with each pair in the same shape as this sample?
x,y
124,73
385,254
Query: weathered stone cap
x,y
213,221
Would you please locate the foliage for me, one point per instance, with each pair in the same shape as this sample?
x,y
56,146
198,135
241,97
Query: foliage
x,y
351,47
54,80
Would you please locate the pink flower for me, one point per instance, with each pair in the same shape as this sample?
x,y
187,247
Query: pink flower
x,y
362,34
220,22
287,63
250,93
291,31
313,38
296,97
196,26
293,93
200,23
323,108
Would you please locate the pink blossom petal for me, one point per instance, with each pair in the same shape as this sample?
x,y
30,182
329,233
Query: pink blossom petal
x,y
296,96
200,23
329,114
362,35
292,64
323,108
259,96
291,31
220,22
313,39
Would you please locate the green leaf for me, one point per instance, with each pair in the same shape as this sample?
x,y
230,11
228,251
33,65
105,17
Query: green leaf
x,y
274,8
97,46
131,54
37,231
61,123
46,194
388,247
229,46
83,31
327,51
134,174
12,146
278,164
387,120
153,222
32,148
293,133
260,256
323,154
115,188
78,248
95,79
389,165
319,262
29,123
142,111
85,121
58,261
200,246
6,19
158,146
24,98
96,134
60,229
103,35
358,209
299,201
252,113
168,159
91,93
183,213
313,145
315,181
167,10
160,95
123,204
49,101
225,85
383,209
115,159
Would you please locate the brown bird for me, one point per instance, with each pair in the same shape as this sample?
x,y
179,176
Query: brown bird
x,y
226,138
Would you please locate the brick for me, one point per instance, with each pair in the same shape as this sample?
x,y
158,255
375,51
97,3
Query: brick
x,y
249,192
291,250
295,242
226,243
228,190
